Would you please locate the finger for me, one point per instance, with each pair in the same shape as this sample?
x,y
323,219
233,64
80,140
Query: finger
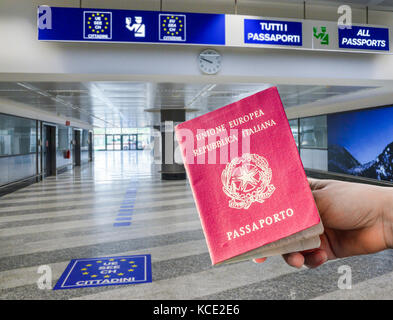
x,y
325,244
315,259
316,184
313,183
259,260
294,259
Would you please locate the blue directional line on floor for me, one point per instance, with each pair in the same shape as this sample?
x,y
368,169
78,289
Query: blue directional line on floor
x,y
123,218
121,224
124,214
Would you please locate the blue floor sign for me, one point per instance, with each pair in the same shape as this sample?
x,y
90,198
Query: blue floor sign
x,y
97,272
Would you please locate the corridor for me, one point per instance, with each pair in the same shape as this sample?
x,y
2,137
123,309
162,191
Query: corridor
x,y
76,215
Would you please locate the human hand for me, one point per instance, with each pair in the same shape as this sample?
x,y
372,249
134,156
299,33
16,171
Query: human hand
x,y
358,219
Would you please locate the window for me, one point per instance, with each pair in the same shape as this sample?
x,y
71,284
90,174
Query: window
x,y
129,131
295,130
113,130
63,138
99,142
122,139
99,130
17,135
85,138
313,132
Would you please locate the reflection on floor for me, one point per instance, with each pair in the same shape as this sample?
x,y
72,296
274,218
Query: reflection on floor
x,y
72,216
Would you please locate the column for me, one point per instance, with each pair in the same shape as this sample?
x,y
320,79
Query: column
x,y
169,119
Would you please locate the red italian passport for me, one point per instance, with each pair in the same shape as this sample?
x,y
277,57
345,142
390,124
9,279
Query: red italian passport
x,y
248,181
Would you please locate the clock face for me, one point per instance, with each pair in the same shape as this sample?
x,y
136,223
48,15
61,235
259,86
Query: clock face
x,y
210,61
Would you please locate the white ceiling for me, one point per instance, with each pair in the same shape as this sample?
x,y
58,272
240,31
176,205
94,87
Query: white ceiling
x,y
124,104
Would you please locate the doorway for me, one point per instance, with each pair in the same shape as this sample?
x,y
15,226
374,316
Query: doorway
x,y
77,148
90,143
129,141
113,142
49,150
123,142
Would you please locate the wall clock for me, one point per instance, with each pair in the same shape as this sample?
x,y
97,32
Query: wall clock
x,y
209,61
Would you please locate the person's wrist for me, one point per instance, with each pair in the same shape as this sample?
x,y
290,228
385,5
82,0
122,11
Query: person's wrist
x,y
387,217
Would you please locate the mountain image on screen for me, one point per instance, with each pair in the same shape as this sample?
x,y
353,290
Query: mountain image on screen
x,y
342,161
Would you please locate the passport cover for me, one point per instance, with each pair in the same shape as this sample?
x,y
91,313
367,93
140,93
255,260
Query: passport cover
x,y
246,175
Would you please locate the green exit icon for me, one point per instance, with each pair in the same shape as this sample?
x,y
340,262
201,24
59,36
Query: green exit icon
x,y
323,36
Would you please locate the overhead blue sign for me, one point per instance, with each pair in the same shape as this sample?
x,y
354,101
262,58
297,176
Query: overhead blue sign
x,y
272,32
76,24
82,273
364,38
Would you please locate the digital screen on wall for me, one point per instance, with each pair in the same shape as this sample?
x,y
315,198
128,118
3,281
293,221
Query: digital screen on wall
x,y
361,143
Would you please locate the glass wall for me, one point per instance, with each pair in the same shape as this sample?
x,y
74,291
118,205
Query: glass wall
x,y
113,139
85,139
311,139
358,142
18,148
294,124
63,145
361,143
64,137
313,132
21,158
84,146
99,139
17,135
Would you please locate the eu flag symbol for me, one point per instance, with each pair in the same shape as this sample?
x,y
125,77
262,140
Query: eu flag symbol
x,y
172,27
82,273
97,25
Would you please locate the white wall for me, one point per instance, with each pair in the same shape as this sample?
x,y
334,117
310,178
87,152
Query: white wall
x,y
296,10
153,5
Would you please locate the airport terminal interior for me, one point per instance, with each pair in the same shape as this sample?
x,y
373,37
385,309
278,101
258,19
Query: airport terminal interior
x,y
84,141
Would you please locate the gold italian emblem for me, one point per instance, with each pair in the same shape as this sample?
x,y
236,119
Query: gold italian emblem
x,y
246,180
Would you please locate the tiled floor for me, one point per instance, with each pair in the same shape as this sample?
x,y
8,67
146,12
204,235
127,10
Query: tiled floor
x,y
74,214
